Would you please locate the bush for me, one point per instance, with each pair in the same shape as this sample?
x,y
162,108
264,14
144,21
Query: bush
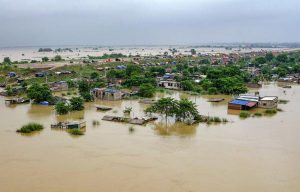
x,y
62,108
96,123
217,120
244,114
76,104
127,110
30,127
257,114
224,120
76,132
283,101
212,90
87,96
39,93
270,111
147,90
131,129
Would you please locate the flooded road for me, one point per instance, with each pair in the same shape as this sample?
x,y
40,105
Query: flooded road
x,y
257,154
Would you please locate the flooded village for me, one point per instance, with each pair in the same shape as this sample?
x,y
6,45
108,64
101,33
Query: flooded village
x,y
113,118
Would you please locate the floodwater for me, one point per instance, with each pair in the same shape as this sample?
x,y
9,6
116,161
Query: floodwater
x,y
30,53
257,154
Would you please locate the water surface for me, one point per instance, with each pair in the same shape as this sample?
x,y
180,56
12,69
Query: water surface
x,y
256,154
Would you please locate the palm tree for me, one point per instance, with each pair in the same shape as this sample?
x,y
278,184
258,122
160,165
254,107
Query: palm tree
x,y
164,106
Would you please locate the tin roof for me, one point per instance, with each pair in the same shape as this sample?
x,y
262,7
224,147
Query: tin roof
x,y
269,98
239,102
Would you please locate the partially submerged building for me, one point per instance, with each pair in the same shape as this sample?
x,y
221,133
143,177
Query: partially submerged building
x,y
59,86
239,104
170,84
107,94
247,102
268,102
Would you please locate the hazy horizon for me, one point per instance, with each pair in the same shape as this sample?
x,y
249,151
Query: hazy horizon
x,y
144,22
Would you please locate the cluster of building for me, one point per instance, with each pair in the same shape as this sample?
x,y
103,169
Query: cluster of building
x,y
247,102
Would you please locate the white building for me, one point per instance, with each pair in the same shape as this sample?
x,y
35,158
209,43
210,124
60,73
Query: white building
x,y
268,102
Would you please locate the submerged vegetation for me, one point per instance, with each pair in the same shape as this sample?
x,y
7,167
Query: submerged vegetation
x,y
76,132
183,109
95,123
30,127
257,114
283,101
131,129
271,111
244,114
127,110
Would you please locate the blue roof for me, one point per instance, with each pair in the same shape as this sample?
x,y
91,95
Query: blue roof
x,y
239,102
12,74
168,76
44,103
121,67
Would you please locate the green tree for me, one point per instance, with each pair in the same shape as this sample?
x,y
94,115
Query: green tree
x,y
187,85
84,86
57,58
76,104
147,90
88,97
186,110
158,70
33,61
45,59
94,75
204,61
39,93
133,70
62,108
260,60
164,106
10,91
282,58
116,74
269,56
179,67
7,60
193,51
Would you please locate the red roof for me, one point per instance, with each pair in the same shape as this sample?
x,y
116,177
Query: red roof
x,y
251,104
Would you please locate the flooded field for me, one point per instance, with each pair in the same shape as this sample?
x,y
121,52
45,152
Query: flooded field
x,y
258,154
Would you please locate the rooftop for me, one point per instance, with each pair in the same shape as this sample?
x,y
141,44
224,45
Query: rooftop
x,y
269,98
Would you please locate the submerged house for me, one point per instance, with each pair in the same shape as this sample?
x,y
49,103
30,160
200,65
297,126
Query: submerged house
x,y
170,84
244,102
268,102
59,86
247,102
238,104
107,94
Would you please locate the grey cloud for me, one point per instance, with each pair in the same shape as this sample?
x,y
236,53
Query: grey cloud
x,y
115,22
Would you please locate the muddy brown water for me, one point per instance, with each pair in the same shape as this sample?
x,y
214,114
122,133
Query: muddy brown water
x,y
256,154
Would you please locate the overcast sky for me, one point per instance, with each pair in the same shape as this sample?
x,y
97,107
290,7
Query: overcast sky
x,y
136,22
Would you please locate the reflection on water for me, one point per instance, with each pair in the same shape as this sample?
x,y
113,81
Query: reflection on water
x,y
73,116
255,154
179,129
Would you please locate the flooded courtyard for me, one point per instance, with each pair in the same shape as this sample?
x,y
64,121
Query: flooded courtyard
x,y
256,154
